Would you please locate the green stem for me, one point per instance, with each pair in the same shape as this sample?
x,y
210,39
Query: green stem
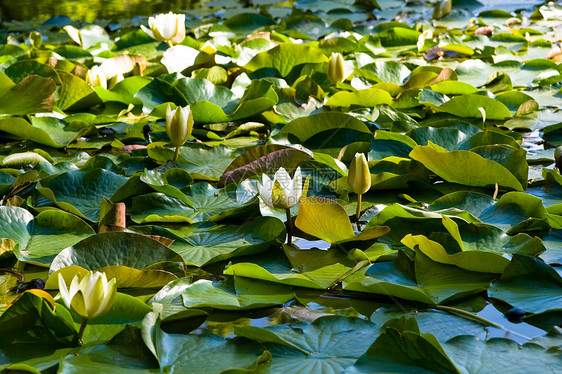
x,y
358,212
82,328
176,154
289,226
169,42
469,315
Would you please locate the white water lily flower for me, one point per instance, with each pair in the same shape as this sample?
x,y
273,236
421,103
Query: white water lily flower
x,y
282,192
89,297
96,77
169,28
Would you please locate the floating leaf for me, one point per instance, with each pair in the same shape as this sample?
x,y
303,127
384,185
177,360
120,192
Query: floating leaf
x,y
465,167
285,57
114,248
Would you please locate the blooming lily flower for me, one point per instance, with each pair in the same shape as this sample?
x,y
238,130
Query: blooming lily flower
x,y
179,124
282,192
96,77
89,297
169,28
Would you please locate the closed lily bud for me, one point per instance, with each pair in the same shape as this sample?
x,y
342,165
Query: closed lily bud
x,y
96,77
179,124
169,28
558,156
282,192
89,297
359,177
35,39
335,68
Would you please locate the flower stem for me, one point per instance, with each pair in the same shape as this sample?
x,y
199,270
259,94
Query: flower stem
x,y
176,154
468,315
169,42
82,328
358,211
289,226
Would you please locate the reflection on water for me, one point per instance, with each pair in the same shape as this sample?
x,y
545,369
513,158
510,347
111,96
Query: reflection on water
x,y
88,11
520,332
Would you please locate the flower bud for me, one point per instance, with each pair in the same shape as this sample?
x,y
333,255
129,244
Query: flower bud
x,y
558,156
96,77
335,68
179,124
359,177
35,39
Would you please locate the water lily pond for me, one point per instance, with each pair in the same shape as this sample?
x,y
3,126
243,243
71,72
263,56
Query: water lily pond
x,y
346,186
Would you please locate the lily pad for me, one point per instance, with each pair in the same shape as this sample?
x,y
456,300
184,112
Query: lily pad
x,y
114,248
465,167
328,345
529,284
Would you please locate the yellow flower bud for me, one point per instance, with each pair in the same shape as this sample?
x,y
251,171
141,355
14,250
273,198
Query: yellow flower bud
x,y
359,177
335,68
179,124
89,297
35,39
169,28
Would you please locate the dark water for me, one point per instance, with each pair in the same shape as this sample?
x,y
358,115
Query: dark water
x,y
88,10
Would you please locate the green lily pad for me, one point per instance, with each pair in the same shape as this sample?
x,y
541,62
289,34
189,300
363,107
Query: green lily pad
x,y
114,248
75,93
124,91
465,167
434,283
81,192
45,130
529,284
368,97
34,94
242,293
313,268
208,203
206,353
397,350
327,220
205,243
468,106
49,233
340,128
327,345
285,57
32,317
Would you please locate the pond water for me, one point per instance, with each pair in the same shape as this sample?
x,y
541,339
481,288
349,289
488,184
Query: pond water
x,y
88,11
